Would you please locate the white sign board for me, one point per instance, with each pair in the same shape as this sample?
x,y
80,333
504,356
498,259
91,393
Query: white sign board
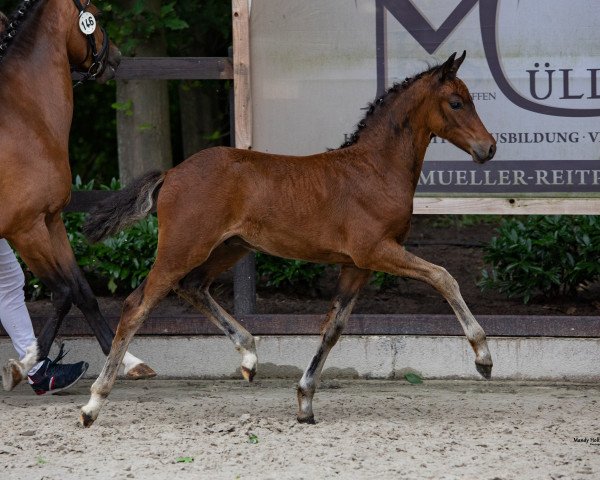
x,y
533,69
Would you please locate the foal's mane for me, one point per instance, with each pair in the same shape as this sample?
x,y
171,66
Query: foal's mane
x,y
383,100
14,36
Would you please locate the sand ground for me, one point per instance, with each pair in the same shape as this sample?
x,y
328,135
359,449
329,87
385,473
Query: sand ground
x,y
181,429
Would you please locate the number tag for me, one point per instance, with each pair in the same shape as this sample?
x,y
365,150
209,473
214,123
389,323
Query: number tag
x,y
87,23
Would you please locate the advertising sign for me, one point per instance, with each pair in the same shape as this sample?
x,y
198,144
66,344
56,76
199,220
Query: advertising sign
x,y
532,66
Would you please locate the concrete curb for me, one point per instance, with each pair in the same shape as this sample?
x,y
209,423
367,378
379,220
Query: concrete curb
x,y
524,358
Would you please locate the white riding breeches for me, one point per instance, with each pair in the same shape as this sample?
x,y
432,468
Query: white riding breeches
x,y
13,311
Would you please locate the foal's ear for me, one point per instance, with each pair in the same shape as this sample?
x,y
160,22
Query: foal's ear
x,y
450,67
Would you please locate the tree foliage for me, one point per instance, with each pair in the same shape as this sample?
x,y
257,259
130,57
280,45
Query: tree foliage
x,y
191,29
201,28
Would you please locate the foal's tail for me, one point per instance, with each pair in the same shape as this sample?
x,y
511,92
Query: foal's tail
x,y
124,207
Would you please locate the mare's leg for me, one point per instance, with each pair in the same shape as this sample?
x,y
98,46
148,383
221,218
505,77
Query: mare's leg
x,y
195,289
46,250
84,299
350,282
393,258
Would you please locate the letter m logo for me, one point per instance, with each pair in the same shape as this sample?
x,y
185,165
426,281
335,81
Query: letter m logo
x,y
429,38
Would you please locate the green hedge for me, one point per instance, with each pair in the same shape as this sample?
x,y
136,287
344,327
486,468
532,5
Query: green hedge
x,y
543,255
119,262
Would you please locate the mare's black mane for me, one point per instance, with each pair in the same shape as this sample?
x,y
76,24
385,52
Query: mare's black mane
x,y
13,37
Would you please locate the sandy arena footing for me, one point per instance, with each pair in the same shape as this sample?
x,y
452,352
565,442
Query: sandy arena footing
x,y
226,429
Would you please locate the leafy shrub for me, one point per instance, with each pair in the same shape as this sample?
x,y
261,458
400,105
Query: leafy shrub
x,y
282,272
547,255
121,261
384,281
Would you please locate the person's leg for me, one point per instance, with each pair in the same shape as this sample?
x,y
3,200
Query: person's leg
x,y
13,311
45,376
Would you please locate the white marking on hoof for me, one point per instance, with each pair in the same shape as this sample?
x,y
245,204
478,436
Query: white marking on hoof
x,y
130,361
31,357
89,412
249,360
13,373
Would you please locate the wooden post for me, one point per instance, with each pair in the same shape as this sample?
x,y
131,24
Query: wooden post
x,y
241,74
244,274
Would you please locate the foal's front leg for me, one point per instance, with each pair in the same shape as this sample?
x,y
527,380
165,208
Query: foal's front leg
x,y
350,282
392,258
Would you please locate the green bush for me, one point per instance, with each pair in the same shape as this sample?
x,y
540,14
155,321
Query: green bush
x,y
384,281
547,255
121,261
282,272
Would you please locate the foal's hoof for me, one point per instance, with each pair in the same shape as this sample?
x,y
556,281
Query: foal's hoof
x,y
310,420
248,373
86,419
140,371
12,374
484,370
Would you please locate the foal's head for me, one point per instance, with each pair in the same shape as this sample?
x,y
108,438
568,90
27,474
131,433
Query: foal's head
x,y
452,114
89,49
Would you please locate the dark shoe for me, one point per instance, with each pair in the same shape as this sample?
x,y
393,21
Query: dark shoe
x,y
53,377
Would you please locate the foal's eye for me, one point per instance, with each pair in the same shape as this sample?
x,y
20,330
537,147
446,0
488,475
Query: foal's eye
x,y
455,105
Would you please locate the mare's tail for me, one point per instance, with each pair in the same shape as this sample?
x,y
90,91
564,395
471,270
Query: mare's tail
x,y
124,207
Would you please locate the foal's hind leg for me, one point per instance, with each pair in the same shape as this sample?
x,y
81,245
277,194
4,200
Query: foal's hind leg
x,y
136,308
393,258
350,282
195,289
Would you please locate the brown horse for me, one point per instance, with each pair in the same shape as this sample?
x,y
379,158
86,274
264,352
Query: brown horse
x,y
39,46
351,206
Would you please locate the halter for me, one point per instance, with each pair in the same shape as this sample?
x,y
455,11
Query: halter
x,y
87,26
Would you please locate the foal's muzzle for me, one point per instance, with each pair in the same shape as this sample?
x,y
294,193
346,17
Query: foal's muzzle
x,y
483,151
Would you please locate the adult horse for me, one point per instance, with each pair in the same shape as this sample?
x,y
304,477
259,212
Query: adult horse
x,y
40,45
351,206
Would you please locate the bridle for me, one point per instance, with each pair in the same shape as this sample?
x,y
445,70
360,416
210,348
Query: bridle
x,y
87,26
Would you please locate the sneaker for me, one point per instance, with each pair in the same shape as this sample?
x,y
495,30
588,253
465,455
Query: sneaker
x,y
54,377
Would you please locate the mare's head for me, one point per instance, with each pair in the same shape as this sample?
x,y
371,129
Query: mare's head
x,y
452,114
89,49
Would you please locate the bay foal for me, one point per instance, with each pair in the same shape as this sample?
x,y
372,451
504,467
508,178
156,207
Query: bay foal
x,y
39,46
351,206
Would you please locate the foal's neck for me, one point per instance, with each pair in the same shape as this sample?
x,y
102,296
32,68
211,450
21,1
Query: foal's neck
x,y
397,132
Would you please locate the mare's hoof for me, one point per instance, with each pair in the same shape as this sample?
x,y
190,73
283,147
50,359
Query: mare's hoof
x,y
484,370
308,420
85,419
12,375
248,374
140,371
